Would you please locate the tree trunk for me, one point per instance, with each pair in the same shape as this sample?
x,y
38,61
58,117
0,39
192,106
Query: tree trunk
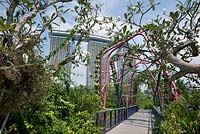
x,y
171,96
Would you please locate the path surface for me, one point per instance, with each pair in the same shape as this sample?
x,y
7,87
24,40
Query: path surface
x,y
138,123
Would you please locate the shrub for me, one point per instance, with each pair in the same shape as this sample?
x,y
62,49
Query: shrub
x,y
183,117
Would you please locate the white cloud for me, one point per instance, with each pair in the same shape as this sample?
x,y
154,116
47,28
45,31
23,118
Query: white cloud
x,y
100,29
62,26
196,60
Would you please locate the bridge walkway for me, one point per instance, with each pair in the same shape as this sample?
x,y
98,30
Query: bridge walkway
x,y
138,123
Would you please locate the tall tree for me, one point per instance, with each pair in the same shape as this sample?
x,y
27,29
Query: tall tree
x,y
171,39
22,28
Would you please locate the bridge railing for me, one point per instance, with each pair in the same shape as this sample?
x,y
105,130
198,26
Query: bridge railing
x,y
107,119
157,113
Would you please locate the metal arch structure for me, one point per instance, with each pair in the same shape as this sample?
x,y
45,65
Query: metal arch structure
x,y
155,89
109,51
122,113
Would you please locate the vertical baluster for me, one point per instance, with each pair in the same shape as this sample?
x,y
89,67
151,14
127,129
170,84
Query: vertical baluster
x,y
132,110
97,119
119,116
123,112
110,119
126,113
104,121
115,117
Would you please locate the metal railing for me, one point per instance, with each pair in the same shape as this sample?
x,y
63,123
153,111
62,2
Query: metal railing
x,y
108,119
157,113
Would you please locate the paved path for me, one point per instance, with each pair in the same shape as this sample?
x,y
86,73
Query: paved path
x,y
138,123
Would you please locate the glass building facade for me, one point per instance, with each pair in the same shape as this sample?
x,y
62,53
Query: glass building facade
x,y
55,42
94,44
93,48
120,64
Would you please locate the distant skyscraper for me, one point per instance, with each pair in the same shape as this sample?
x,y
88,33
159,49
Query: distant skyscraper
x,y
120,63
95,43
57,39
93,48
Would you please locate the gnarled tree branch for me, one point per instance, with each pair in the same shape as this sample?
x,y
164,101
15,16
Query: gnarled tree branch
x,y
188,67
184,66
11,11
29,16
177,75
182,45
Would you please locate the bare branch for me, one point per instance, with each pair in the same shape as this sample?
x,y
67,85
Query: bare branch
x,y
42,7
33,13
24,19
4,122
177,75
194,14
182,45
11,10
184,66
29,16
143,13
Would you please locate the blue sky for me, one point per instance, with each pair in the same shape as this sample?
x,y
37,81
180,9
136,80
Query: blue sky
x,y
117,8
112,8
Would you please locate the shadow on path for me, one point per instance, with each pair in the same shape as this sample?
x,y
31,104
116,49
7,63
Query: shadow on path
x,y
138,123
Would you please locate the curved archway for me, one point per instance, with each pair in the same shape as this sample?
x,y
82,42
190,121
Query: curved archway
x,y
109,51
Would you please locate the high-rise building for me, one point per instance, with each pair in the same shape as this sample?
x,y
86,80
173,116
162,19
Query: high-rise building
x,y
94,46
120,64
57,39
95,43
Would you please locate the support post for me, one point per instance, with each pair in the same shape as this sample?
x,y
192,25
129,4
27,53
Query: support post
x,y
97,119
131,89
110,119
119,116
104,121
121,85
115,120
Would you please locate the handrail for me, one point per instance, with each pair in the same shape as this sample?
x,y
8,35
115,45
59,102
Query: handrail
x,y
113,117
108,110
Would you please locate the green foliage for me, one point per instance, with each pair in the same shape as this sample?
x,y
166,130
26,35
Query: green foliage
x,y
22,34
23,81
144,100
59,112
112,97
84,98
39,104
81,123
3,26
183,117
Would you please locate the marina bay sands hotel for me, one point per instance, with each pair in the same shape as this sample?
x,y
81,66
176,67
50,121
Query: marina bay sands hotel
x,y
94,44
